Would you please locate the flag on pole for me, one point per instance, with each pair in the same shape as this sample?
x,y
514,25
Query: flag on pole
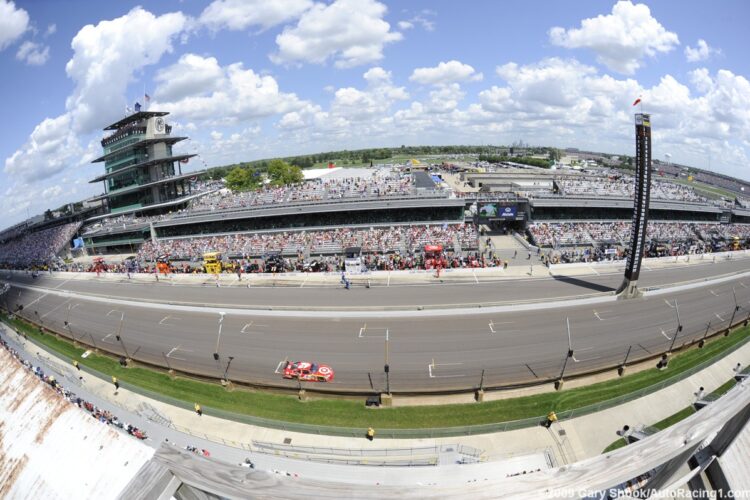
x,y
637,102
146,97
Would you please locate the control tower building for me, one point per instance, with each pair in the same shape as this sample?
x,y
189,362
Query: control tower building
x,y
140,171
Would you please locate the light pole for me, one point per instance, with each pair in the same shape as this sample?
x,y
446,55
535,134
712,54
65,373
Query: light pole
x,y
227,370
734,311
166,359
386,367
118,335
679,326
703,340
218,337
568,355
41,323
621,369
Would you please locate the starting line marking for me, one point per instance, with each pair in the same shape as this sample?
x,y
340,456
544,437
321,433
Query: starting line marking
x,y
363,332
178,348
434,365
493,323
280,366
165,318
248,325
602,312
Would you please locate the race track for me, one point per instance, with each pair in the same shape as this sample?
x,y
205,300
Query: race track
x,y
431,350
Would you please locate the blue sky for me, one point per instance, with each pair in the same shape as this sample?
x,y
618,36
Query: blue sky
x,y
252,79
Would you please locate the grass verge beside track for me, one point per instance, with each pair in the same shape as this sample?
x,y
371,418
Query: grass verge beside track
x,y
348,413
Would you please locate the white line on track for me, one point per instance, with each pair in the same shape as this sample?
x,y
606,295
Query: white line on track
x,y
719,317
165,318
713,293
55,309
594,270
476,280
597,314
280,366
307,275
61,284
104,339
363,333
178,348
251,324
493,323
667,302
665,335
743,285
33,301
433,365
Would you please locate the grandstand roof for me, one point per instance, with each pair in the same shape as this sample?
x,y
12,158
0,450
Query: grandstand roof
x,y
142,164
147,208
137,187
145,142
141,115
316,207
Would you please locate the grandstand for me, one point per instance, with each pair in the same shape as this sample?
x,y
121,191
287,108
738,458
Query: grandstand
x,y
391,210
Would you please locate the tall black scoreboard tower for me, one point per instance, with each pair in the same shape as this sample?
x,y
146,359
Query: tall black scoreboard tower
x,y
629,286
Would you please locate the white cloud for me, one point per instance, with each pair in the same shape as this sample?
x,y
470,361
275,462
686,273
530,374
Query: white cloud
x,y
701,79
191,75
423,19
445,73
13,23
51,30
32,53
216,136
701,52
215,94
105,59
107,55
622,39
351,32
241,14
51,147
444,99
360,114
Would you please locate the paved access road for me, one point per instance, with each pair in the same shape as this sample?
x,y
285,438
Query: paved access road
x,y
427,350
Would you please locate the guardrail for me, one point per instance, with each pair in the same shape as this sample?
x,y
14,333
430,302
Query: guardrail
x,y
436,432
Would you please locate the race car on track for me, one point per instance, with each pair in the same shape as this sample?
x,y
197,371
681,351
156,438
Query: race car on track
x,y
311,372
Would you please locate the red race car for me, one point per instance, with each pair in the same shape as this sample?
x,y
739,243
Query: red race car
x,y
311,372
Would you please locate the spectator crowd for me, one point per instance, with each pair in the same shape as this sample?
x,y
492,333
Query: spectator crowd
x,y
403,239
624,187
38,246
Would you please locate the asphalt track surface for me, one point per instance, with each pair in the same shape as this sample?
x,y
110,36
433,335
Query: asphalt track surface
x,y
431,350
